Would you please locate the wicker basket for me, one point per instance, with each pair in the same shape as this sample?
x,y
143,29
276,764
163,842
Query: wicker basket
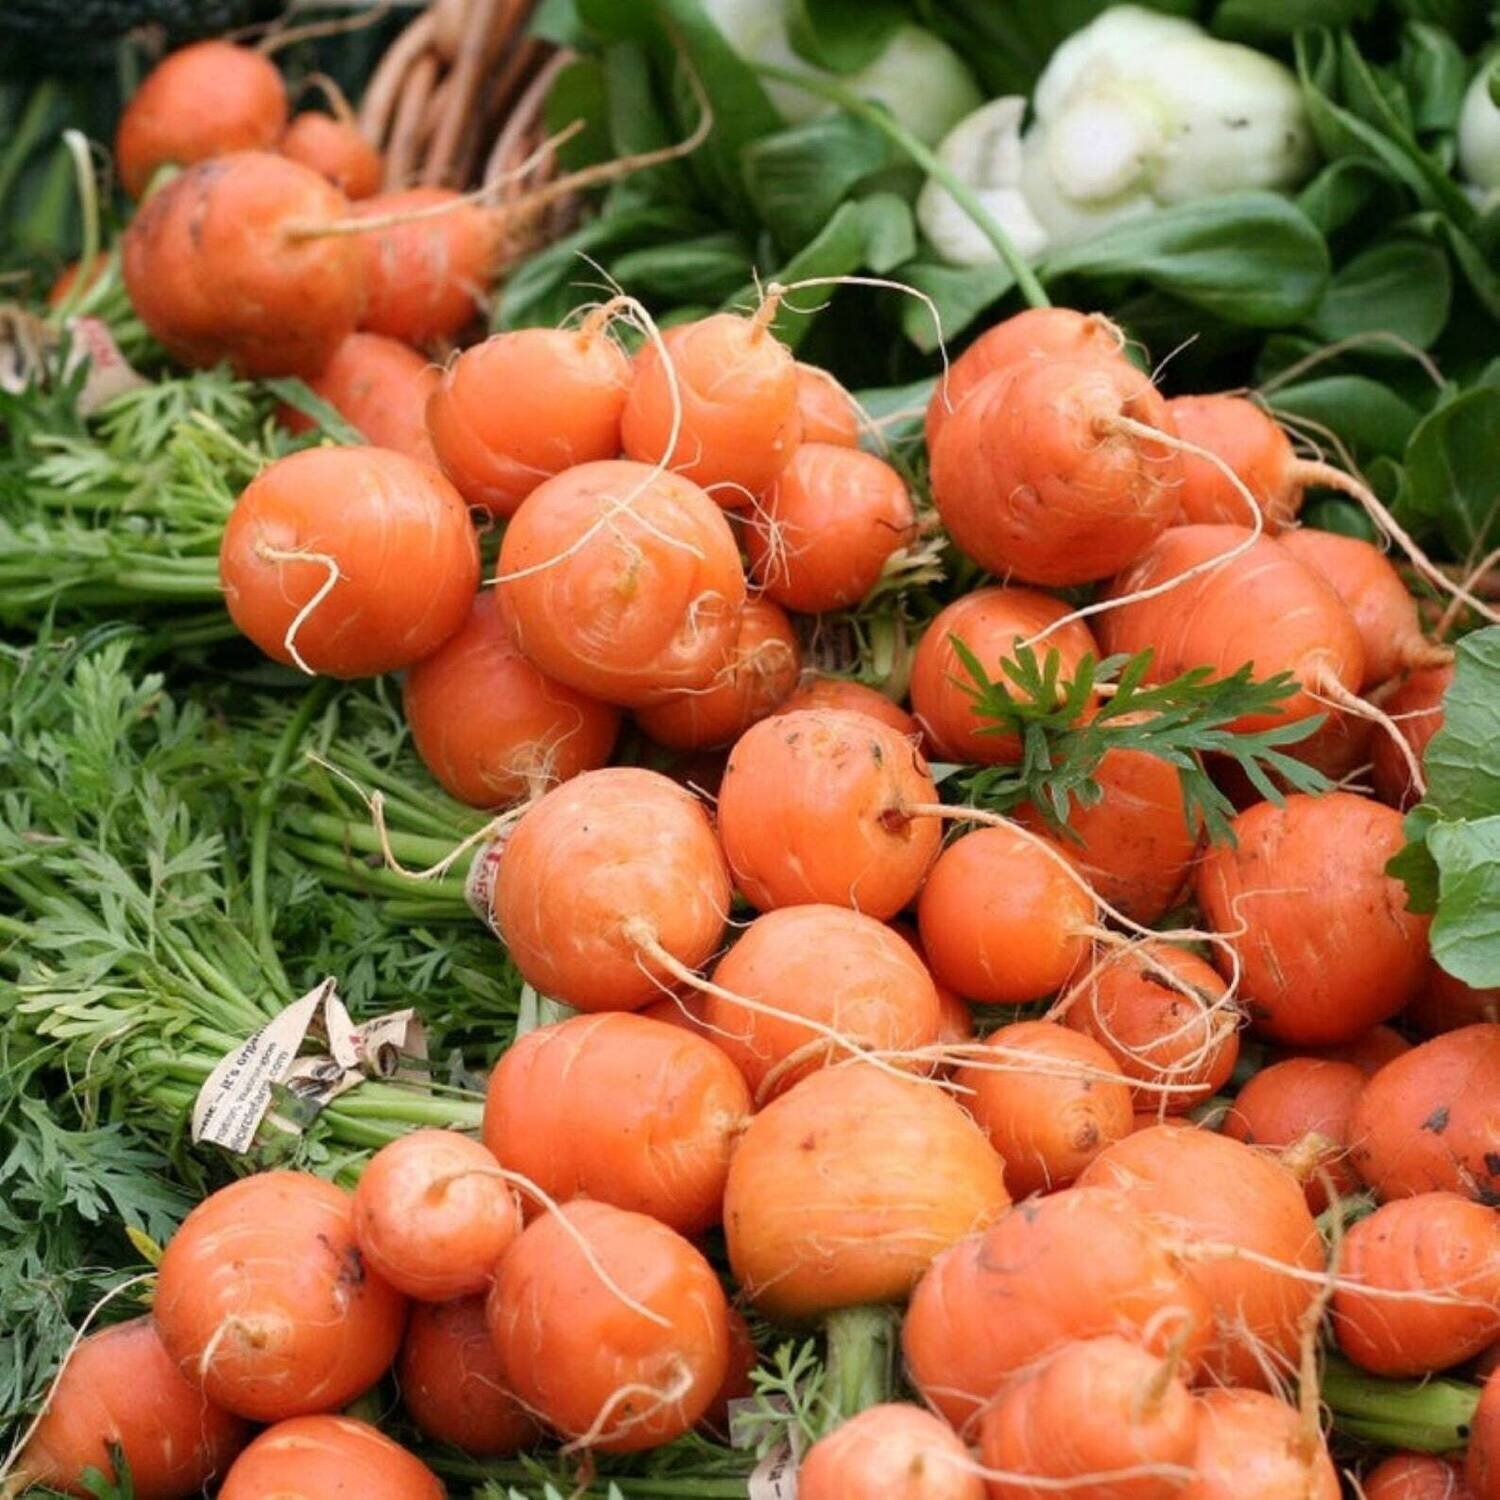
x,y
457,101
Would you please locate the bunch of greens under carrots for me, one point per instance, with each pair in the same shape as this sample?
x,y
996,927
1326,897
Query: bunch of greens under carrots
x,y
589,911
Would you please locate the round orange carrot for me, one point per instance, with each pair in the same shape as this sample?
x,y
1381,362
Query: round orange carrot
x,y
737,1384
1437,1243
623,1109
1370,1051
598,867
813,809
895,1451
379,387
1482,1462
432,1215
861,983
327,1458
1032,336
1049,1099
1252,1446
491,727
120,1388
204,100
523,406
449,1374
1446,1003
215,272
843,1190
1245,1228
1426,1121
349,561
1044,473
264,1296
1417,708
1157,1010
1302,1109
426,273
610,1327
824,531
623,582
1326,945
840,692
1298,624
990,623
761,672
1073,1265
1002,919
336,150
1250,441
721,410
1417,1476
1141,1428
825,410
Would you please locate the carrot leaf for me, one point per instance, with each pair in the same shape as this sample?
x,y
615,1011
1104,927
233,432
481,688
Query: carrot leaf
x,y
1183,721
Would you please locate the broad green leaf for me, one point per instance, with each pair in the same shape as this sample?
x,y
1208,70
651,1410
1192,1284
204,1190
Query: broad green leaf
x,y
1268,20
703,269
842,35
958,293
797,177
1346,188
1461,764
1465,19
1478,268
1343,517
1250,258
1416,869
1453,471
639,123
1366,414
1465,934
580,93
1402,287
1435,73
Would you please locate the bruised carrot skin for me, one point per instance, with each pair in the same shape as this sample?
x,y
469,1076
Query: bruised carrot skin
x,y
449,1374
596,853
1217,1195
1140,1416
991,623
1303,1110
1048,1118
1136,846
895,1451
1251,442
825,410
522,406
490,726
1426,1121
201,101
432,1216
1002,921
761,672
1032,336
264,1295
621,1109
622,582
336,150
737,388
215,274
1074,1265
121,1388
426,279
836,967
406,556
1155,1011
1251,1446
586,1362
1299,624
328,1458
1417,708
1417,1476
1325,940
379,387
813,808
855,697
1438,1243
1034,482
843,1190
825,529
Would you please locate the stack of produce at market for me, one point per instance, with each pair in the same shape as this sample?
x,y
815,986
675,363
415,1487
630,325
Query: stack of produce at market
x,y
589,905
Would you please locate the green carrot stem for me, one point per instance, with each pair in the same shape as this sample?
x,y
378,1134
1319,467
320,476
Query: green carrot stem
x,y
410,848
861,1359
1431,1416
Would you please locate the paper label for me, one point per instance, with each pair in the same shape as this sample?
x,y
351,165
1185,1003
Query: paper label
x,y
775,1476
26,342
480,882
267,1068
